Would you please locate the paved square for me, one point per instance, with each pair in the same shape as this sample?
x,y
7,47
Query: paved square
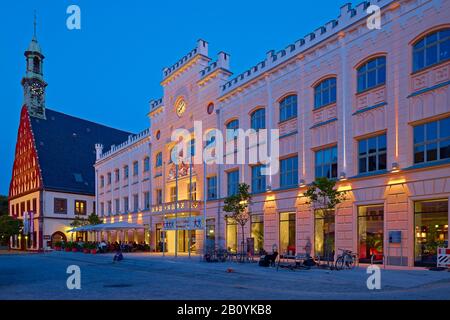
x,y
144,276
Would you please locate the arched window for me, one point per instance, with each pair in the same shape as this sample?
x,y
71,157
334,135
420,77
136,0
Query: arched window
x,y
431,49
36,65
258,119
288,108
158,160
232,127
325,93
372,74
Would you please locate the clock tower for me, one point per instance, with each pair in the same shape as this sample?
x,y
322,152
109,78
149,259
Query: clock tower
x,y
33,83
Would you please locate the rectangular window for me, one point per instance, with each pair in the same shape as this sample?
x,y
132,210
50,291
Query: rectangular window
x,y
430,230
432,141
212,187
102,209
126,207
192,191
258,180
102,181
372,154
109,208
257,231
109,180
326,163
126,172
147,200
370,233
117,205
232,182
287,233
147,164
35,205
289,172
60,206
173,194
324,226
80,207
12,212
135,168
117,175
159,196
136,203
232,235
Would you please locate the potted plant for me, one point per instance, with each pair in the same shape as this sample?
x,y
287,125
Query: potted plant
x,y
74,247
58,245
93,248
86,247
68,247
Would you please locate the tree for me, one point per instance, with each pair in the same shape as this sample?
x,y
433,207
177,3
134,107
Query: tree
x,y
237,205
9,226
3,205
324,197
93,219
78,222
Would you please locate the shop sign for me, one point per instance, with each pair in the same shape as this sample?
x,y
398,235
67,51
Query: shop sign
x,y
184,223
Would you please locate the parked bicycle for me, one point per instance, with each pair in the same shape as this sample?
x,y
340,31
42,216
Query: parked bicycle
x,y
345,260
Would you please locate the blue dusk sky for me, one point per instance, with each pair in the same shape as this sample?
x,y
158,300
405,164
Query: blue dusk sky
x,y
109,70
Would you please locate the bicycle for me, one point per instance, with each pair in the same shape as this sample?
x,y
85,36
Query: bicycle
x,y
345,260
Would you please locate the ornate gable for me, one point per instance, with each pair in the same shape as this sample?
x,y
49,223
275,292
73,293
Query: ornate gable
x,y
26,175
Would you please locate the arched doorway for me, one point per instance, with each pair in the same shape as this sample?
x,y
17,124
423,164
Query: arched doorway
x,y
58,236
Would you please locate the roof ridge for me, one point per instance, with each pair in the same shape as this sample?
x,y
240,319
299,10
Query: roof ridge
x,y
90,121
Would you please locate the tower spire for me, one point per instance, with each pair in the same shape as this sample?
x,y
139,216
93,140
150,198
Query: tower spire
x,y
34,24
33,82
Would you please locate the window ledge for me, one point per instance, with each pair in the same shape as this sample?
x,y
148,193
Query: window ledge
x,y
378,86
369,174
324,106
286,120
414,73
428,164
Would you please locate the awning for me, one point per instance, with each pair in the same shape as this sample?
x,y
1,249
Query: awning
x,y
108,227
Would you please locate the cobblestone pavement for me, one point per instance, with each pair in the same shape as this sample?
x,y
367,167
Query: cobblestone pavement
x,y
144,276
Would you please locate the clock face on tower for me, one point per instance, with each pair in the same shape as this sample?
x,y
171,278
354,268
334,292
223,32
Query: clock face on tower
x,y
36,89
180,107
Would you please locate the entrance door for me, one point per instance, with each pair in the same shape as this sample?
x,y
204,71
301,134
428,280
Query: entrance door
x,y
287,233
370,233
183,240
430,230
160,238
58,237
210,235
